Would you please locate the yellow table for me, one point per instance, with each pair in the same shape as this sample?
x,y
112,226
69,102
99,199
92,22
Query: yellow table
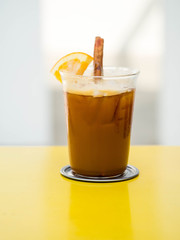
x,y
36,202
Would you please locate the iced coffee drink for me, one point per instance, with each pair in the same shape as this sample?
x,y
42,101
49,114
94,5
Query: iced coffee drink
x,y
99,105
99,125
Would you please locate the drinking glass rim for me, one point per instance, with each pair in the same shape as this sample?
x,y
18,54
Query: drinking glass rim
x,y
132,72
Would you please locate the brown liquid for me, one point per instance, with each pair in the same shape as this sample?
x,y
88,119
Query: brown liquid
x,y
99,133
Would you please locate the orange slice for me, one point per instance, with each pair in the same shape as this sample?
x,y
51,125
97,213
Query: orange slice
x,y
76,63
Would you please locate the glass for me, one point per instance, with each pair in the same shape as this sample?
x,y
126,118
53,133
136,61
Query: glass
x,y
99,115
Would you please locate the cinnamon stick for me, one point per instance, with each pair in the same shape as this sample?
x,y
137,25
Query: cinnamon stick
x,y
98,56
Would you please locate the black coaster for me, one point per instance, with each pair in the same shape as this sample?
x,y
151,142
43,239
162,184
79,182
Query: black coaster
x,y
129,173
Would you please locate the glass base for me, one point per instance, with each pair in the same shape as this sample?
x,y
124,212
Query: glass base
x,y
129,173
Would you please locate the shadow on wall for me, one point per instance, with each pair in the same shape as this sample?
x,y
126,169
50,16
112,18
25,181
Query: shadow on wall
x,y
144,129
59,134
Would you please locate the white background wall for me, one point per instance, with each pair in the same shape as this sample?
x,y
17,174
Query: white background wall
x,y
142,33
23,92
169,102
